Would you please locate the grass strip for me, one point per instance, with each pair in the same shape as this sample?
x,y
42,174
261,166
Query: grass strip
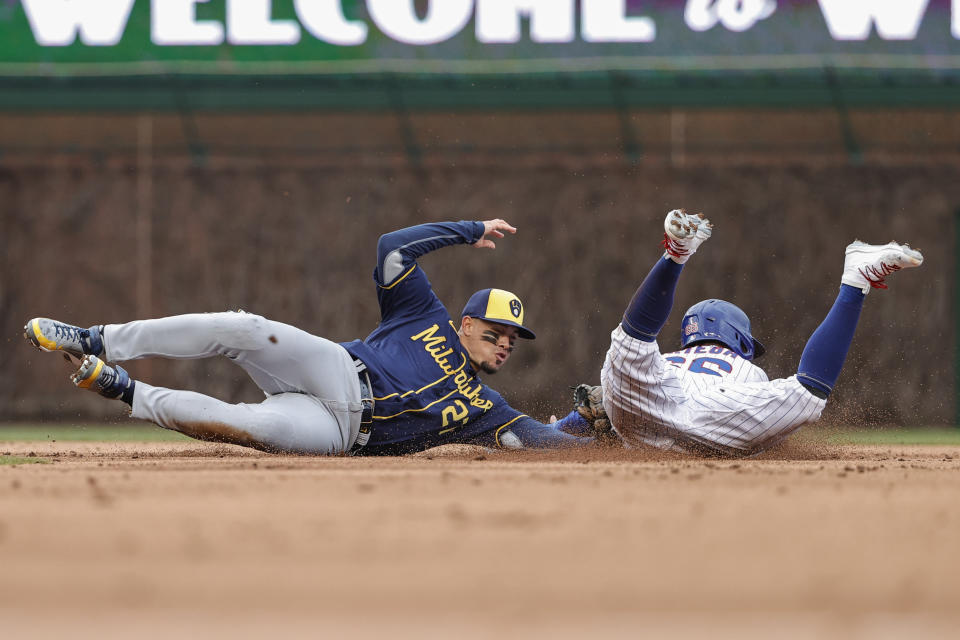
x,y
87,433
14,460
880,436
143,432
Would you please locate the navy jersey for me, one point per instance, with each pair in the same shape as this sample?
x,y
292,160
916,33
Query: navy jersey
x,y
425,390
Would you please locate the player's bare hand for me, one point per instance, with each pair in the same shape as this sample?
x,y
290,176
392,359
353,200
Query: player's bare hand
x,y
493,229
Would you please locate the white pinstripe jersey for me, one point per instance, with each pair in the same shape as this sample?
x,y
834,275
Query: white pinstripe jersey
x,y
705,397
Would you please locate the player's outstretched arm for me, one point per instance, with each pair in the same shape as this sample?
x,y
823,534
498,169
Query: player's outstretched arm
x,y
527,433
397,251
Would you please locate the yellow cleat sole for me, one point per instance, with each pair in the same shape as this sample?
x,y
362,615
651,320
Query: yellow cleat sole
x,y
32,333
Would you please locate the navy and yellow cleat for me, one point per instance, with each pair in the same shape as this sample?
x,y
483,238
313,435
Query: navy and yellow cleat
x,y
50,335
110,381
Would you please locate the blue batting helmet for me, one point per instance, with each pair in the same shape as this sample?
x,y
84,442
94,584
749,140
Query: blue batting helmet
x,y
723,322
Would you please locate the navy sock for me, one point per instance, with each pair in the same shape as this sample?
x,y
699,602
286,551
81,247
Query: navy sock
x,y
827,348
92,340
651,304
127,395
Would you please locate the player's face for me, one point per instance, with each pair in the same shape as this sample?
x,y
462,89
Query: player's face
x,y
488,343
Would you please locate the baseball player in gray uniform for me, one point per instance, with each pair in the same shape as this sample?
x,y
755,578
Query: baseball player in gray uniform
x,y
710,397
413,383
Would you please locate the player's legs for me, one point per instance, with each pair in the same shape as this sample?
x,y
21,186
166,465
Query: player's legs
x,y
291,422
651,304
287,422
314,404
826,350
636,379
865,268
278,357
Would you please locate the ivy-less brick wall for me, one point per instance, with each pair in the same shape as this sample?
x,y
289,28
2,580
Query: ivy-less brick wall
x,y
298,245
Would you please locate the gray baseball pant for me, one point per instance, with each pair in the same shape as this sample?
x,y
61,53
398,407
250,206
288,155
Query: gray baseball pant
x,y
313,392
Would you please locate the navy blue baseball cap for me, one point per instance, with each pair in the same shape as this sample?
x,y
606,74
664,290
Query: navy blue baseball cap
x,y
497,305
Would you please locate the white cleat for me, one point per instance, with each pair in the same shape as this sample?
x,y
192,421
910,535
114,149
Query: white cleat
x,y
866,266
684,233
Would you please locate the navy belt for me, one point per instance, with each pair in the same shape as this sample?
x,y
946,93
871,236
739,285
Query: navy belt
x,y
366,399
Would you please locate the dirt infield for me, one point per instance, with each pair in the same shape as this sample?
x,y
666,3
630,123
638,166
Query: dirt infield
x,y
159,540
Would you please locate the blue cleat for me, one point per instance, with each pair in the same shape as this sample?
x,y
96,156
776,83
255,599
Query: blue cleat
x,y
110,381
49,335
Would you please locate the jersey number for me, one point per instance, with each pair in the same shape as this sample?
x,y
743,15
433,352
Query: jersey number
x,y
704,365
454,412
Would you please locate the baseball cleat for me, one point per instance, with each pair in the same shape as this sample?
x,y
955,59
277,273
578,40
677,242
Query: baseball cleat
x,y
49,335
866,266
110,381
684,233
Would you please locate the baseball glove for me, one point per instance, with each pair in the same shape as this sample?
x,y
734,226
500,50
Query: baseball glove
x,y
588,402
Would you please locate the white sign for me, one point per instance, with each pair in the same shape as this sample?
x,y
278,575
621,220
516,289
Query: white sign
x,y
102,23
735,15
894,20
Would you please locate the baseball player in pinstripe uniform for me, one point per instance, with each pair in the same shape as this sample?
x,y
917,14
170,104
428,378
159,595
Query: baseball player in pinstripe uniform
x,y
413,383
710,397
